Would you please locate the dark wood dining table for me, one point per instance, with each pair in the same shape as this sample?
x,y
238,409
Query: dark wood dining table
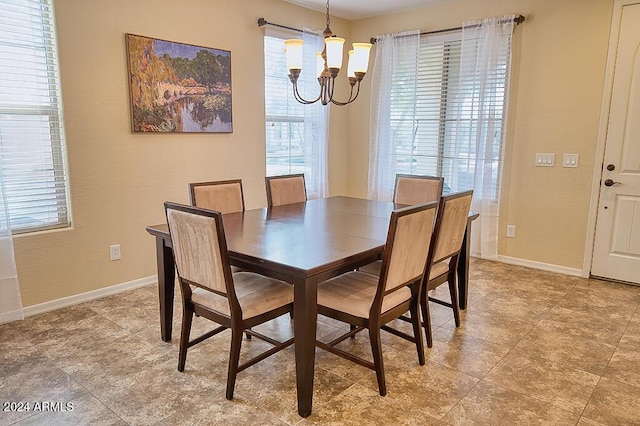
x,y
302,244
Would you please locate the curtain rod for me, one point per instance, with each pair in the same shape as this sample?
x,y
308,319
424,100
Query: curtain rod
x,y
262,22
519,19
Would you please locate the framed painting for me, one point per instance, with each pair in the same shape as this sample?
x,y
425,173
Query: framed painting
x,y
177,87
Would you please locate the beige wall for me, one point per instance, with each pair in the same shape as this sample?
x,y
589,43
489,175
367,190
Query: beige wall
x,y
556,89
119,180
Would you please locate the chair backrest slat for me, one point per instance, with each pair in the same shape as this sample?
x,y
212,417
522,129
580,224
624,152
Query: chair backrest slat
x,y
415,189
287,189
408,241
223,196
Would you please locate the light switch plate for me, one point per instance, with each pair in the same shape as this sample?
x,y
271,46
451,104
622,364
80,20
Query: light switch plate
x,y
570,160
545,159
114,252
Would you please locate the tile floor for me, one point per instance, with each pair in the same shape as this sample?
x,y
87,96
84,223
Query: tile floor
x,y
533,348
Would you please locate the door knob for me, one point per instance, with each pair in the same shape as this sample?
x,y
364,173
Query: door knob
x,y
610,182
611,167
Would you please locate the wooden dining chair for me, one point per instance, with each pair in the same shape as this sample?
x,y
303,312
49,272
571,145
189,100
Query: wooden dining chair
x,y
234,301
411,190
225,196
285,189
366,301
450,225
415,189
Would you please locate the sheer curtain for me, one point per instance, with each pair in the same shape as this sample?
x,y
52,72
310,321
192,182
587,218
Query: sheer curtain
x,y
396,62
10,300
484,70
316,120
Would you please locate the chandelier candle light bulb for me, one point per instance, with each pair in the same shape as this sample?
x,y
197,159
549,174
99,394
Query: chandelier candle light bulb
x,y
334,46
361,57
350,67
294,54
328,66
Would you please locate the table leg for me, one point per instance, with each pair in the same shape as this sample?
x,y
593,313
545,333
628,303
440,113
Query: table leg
x,y
305,316
463,268
166,286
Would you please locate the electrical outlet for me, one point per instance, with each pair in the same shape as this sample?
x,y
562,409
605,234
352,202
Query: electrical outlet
x,y
511,231
114,252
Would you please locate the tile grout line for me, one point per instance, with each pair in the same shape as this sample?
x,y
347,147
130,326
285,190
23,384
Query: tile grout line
x,y
601,376
515,351
511,349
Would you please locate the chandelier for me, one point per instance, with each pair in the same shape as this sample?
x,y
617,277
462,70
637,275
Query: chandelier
x,y
329,62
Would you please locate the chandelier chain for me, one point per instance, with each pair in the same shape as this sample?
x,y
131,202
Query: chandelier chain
x,y
327,13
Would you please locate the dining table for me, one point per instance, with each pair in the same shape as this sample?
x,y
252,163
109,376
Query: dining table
x,y
302,244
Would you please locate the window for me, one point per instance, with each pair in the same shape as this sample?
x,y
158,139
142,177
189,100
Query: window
x,y
284,116
31,129
295,134
438,107
437,125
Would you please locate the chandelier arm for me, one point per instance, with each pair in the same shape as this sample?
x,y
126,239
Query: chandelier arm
x,y
332,88
302,100
351,99
327,90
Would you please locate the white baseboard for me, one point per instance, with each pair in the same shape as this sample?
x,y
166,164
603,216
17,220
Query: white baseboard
x,y
90,295
11,316
142,282
540,265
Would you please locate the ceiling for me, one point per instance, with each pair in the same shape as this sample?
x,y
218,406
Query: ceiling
x,y
358,9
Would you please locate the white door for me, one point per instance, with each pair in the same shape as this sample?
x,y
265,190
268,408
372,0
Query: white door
x,y
616,253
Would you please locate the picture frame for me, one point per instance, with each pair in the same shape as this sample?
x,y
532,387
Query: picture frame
x,y
177,87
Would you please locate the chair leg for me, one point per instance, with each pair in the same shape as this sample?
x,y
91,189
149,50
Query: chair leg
x,y
417,332
376,349
234,360
426,316
187,319
351,328
453,292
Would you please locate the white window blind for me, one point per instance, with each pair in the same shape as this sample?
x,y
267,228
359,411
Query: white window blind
x,y
296,134
284,116
438,123
32,142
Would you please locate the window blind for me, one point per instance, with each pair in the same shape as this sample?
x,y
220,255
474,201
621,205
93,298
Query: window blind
x,y
32,142
296,134
437,125
284,116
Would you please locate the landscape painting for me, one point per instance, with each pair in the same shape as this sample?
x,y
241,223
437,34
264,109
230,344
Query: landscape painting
x,y
177,87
